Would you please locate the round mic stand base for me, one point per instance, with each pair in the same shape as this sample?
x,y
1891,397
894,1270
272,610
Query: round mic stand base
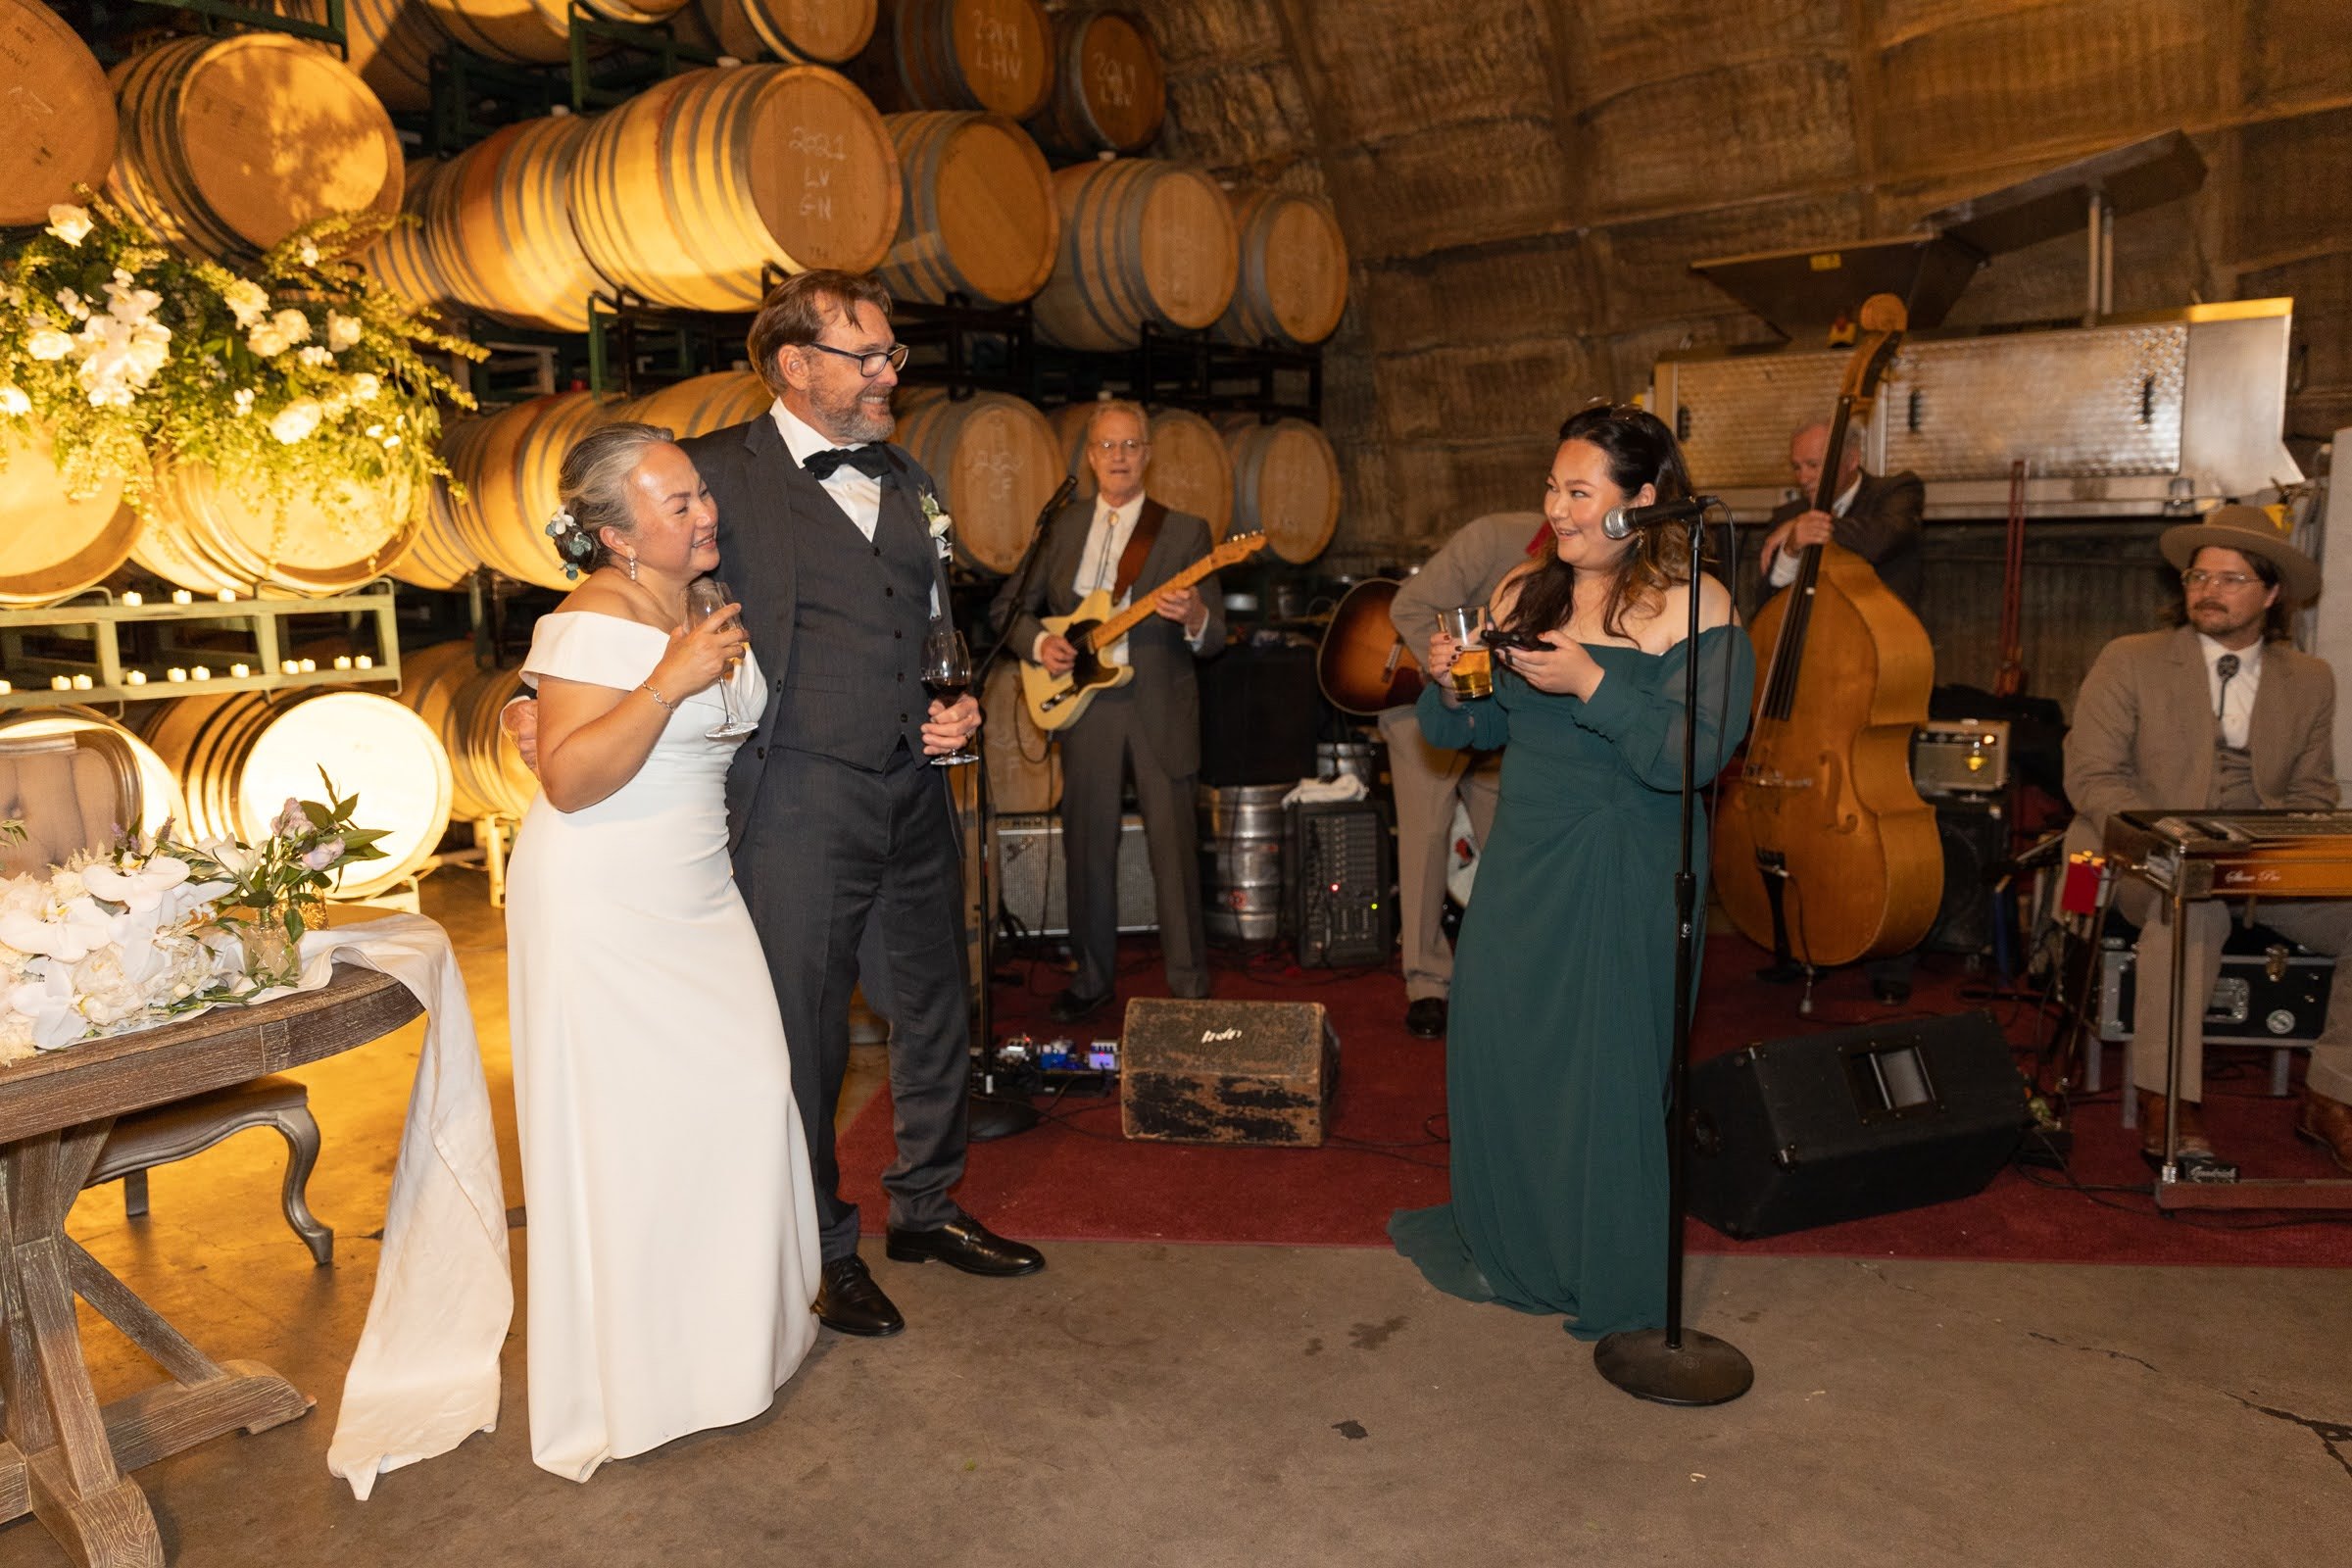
x,y
1701,1370
991,1116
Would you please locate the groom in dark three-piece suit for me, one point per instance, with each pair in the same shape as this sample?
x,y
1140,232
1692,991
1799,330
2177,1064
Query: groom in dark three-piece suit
x,y
844,839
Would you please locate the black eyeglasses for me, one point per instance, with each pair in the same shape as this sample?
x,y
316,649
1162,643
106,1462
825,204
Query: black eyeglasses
x,y
869,365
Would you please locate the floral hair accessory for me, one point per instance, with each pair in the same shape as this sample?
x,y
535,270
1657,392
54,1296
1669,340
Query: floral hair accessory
x,y
572,541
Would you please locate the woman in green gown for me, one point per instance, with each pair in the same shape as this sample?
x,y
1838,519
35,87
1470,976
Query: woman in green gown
x,y
1561,1025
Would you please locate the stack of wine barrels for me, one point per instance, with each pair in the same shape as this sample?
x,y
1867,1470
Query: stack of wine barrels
x,y
498,226
995,55
532,32
819,32
205,535
1190,470
239,757
160,797
1293,283
1285,484
391,43
1143,242
1109,91
404,260
702,404
228,145
686,191
978,217
53,545
459,703
509,464
437,555
996,461
61,135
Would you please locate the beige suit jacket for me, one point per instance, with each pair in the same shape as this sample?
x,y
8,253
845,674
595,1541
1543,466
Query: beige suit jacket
x,y
2142,735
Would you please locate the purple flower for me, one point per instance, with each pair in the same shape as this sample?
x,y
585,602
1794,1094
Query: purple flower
x,y
293,821
324,856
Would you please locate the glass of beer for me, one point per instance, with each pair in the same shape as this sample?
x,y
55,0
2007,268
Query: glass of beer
x,y
1473,667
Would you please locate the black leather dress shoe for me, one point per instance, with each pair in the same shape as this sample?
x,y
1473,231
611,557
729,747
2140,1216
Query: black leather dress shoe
x,y
1070,1006
849,1302
964,1242
1425,1019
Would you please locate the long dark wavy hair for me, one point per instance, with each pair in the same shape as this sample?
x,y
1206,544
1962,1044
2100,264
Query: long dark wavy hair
x,y
1642,451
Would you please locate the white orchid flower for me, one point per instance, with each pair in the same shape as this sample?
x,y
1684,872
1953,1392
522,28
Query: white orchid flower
x,y
70,931
46,1002
140,888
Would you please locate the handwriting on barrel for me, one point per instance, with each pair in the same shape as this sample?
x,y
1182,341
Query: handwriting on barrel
x,y
817,181
1115,83
999,48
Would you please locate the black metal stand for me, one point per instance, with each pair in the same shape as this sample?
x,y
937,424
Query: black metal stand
x,y
1667,1365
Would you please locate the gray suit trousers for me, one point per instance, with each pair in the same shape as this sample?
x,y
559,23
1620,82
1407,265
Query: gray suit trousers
x,y
1096,752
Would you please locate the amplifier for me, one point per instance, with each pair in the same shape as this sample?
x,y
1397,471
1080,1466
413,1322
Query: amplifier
x,y
1036,875
1228,1072
1341,867
1975,835
2270,991
1960,756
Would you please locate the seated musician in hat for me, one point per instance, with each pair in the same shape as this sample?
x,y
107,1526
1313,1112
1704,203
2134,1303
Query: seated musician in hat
x,y
2219,713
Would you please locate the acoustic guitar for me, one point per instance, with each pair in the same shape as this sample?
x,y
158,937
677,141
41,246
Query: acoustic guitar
x,y
1094,629
1362,665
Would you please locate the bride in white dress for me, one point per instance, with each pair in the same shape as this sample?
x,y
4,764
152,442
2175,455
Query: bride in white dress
x,y
672,1241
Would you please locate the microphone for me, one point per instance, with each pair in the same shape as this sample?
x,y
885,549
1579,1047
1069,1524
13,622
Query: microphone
x,y
1062,496
1622,520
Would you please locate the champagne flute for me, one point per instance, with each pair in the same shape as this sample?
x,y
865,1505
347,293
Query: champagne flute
x,y
947,672
705,598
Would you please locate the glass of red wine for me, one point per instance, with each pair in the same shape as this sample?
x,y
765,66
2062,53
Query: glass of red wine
x,y
947,673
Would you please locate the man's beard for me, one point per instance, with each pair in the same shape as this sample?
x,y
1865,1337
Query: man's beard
x,y
852,420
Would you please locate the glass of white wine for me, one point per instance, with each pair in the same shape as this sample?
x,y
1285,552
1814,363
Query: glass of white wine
x,y
705,598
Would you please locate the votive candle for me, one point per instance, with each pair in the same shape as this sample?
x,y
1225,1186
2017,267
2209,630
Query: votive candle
x,y
132,599
135,678
200,673
180,596
175,673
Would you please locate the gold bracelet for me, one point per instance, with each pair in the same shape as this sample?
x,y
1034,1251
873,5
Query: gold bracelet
x,y
658,698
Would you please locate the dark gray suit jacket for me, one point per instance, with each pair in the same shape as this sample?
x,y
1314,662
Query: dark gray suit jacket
x,y
1881,526
1166,693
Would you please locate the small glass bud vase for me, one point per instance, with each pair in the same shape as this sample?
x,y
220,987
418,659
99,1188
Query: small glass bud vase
x,y
272,944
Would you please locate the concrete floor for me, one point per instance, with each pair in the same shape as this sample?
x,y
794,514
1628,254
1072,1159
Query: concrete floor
x,y
1203,1405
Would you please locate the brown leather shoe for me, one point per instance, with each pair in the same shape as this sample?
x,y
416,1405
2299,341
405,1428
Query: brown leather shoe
x,y
2193,1141
2328,1123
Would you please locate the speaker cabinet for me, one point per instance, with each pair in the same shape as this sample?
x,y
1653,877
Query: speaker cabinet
x,y
1260,708
1791,1134
1975,834
1036,874
1228,1072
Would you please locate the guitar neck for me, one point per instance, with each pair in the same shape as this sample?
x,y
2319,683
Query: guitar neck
x,y
1126,620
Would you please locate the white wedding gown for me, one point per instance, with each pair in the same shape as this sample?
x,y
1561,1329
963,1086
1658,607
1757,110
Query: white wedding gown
x,y
672,1238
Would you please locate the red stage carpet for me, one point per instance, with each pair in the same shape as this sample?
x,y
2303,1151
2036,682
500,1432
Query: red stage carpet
x,y
1077,1179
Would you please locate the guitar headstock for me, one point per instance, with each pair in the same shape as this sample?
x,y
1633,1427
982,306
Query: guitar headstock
x,y
1237,547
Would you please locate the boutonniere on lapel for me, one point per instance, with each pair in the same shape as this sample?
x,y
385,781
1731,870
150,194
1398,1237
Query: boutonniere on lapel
x,y
937,520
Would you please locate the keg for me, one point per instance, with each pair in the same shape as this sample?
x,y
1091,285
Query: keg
x,y
978,217
822,32
157,786
686,191
1142,241
1109,91
995,55
460,701
206,535
498,223
509,464
228,145
63,134
391,43
1241,860
533,31
1286,483
701,404
239,757
995,462
1292,285
53,545
1190,470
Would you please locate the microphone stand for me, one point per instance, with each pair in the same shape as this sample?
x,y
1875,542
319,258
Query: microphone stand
x,y
988,1114
1669,1365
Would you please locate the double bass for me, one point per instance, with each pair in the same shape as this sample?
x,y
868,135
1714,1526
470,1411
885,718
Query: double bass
x,y
1823,848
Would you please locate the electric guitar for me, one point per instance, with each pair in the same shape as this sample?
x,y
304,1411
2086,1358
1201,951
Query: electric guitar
x,y
1094,629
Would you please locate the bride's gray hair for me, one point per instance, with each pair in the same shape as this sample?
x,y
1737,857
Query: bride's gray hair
x,y
593,491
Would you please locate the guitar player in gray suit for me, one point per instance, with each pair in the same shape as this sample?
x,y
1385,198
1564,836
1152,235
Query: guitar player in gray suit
x,y
1128,544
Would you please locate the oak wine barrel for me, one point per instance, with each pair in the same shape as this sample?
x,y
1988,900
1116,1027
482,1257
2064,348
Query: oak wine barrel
x,y
1110,92
391,43
821,32
997,464
1142,241
205,535
459,703
1293,283
1191,470
1024,766
437,555
532,32
404,261
701,404
498,223
230,144
1285,484
995,55
978,217
160,797
61,135
240,755
53,545
684,192
509,462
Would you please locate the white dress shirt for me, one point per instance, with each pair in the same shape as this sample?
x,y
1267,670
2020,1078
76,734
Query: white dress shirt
x,y
2235,703
857,494
1098,567
1783,564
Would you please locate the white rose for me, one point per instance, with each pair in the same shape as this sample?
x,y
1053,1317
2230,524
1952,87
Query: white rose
x,y
70,222
342,331
315,357
246,301
365,388
267,341
294,324
48,343
296,421
14,401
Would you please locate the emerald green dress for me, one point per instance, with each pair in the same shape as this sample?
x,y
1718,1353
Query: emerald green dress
x,y
1561,1018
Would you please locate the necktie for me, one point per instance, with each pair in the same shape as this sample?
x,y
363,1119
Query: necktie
x,y
2225,666
872,460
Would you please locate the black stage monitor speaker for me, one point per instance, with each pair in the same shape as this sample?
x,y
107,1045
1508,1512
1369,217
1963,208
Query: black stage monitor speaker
x,y
1796,1133
1975,835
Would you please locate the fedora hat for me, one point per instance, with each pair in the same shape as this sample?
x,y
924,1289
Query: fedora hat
x,y
2250,531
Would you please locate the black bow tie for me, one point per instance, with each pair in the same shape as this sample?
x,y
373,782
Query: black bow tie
x,y
872,460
